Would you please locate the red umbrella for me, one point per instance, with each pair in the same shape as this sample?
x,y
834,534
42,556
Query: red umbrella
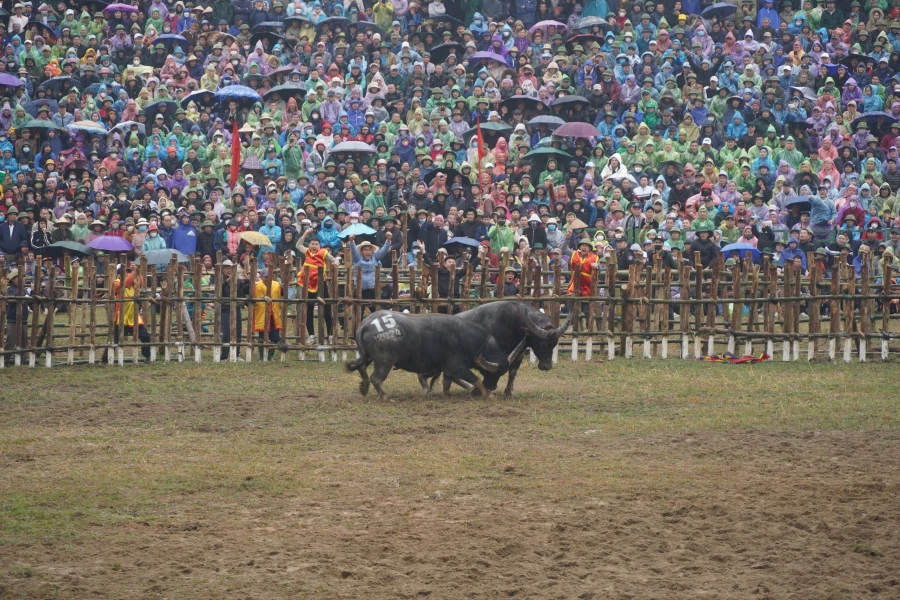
x,y
578,130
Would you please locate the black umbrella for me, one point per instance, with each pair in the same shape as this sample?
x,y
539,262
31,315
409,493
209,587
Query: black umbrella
x,y
275,26
530,102
491,132
440,53
720,10
450,173
152,109
847,61
808,93
368,26
268,35
333,23
444,19
875,119
58,249
803,202
570,99
810,179
297,19
456,245
801,125
251,78
202,98
664,166
285,91
57,84
112,89
584,39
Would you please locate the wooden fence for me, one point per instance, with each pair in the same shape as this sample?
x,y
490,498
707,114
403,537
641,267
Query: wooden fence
x,y
829,313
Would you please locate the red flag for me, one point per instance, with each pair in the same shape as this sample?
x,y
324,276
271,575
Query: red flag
x,y
235,154
481,150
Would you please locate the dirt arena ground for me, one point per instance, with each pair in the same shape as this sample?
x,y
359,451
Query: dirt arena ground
x,y
623,480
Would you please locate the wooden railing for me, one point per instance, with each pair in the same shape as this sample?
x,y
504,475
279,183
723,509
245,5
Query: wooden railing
x,y
651,310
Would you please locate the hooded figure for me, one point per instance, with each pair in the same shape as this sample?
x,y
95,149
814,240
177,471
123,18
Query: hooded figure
x,y
328,236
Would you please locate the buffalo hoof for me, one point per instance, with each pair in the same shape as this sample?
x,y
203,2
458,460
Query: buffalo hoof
x,y
508,394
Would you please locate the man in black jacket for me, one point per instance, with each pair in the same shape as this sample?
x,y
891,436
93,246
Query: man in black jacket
x,y
13,237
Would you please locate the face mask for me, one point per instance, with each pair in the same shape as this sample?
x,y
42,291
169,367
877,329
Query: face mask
x,y
853,205
327,225
153,234
142,228
115,225
61,203
330,184
551,227
421,221
246,223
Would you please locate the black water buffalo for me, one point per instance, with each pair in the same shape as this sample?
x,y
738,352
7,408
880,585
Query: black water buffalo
x,y
426,344
511,323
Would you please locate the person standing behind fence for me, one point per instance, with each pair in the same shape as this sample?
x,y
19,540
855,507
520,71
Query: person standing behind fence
x,y
267,314
366,257
314,256
229,278
130,318
584,261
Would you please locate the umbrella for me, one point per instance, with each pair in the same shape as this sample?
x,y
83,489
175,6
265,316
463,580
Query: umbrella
x,y
719,10
803,202
238,93
41,124
280,71
369,26
847,61
153,108
269,25
487,55
543,25
62,248
450,173
530,102
584,39
444,19
75,167
619,176
807,93
125,8
57,83
872,119
285,91
267,34
125,127
333,22
455,244
803,125
8,80
256,238
810,179
45,31
356,229
170,40
359,147
663,167
570,99
548,120
546,153
440,53
161,258
87,127
586,22
491,132
112,89
111,243
32,106
257,78
578,130
741,250
202,98
297,19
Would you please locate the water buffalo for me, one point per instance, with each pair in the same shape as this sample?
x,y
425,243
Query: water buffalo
x,y
511,323
426,344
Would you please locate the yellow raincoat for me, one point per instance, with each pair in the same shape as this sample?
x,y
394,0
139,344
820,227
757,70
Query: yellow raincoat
x,y
261,309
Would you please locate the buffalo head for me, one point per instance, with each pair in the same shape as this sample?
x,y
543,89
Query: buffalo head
x,y
544,340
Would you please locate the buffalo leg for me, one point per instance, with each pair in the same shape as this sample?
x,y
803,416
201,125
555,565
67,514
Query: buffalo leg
x,y
364,383
463,374
379,374
423,381
511,377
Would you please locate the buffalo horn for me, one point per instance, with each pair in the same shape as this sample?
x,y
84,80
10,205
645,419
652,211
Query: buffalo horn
x,y
536,330
514,356
562,328
485,364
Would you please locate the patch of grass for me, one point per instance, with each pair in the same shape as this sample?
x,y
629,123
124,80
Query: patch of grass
x,y
865,549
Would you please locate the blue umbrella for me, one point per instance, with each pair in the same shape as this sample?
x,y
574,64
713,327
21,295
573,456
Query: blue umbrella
x,y
238,93
356,229
741,250
454,242
171,40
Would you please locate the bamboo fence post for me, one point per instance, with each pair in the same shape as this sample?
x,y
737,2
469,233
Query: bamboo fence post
x,y
737,307
151,311
268,308
334,299
4,289
795,315
887,265
376,305
47,334
136,306
234,313
251,308
849,308
684,316
698,295
21,307
320,313
864,307
304,307
284,263
834,325
647,308
73,312
168,307
712,307
770,306
628,294
180,271
435,294
198,310
666,295
92,315
787,320
217,312
611,309
815,315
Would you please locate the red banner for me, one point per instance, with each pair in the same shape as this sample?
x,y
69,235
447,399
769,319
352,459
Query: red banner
x,y
481,149
235,154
